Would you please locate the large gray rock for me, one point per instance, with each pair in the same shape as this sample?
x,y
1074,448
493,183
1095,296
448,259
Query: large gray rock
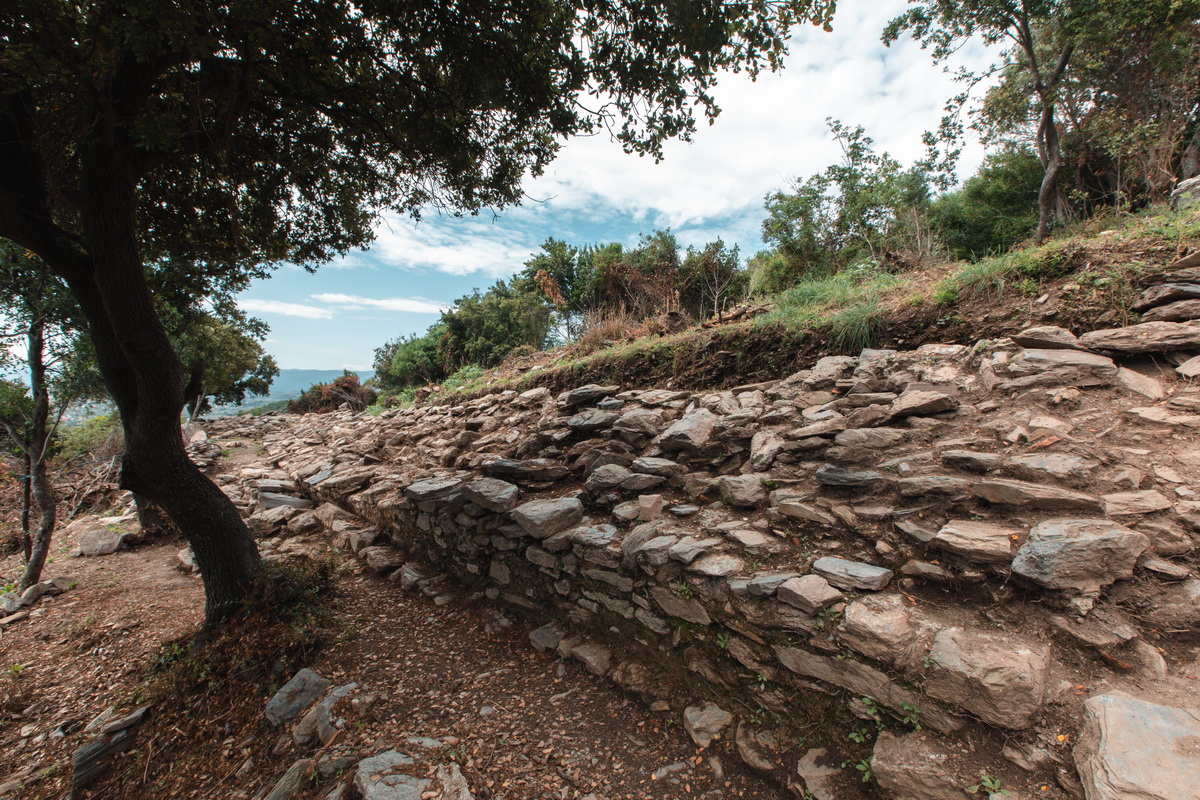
x,y
1186,194
691,432
492,493
1084,555
764,447
1047,337
544,518
589,394
981,542
878,626
1034,495
100,541
1180,311
705,723
809,593
915,766
852,574
296,695
1041,367
592,420
688,609
454,785
1130,748
607,476
1146,337
534,470
662,467
639,422
743,491
380,778
1000,679
922,403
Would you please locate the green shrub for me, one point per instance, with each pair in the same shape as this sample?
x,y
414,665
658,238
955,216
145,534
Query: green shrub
x,y
98,437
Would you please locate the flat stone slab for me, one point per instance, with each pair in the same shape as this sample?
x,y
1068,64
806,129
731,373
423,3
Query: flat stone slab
x,y
431,489
1120,504
1000,679
1034,495
981,542
852,574
100,541
922,403
298,694
1180,311
705,723
1042,367
1047,337
688,609
544,518
840,477
492,493
1131,748
809,593
379,778
534,470
1145,337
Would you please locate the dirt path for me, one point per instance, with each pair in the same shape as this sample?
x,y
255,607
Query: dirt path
x,y
521,724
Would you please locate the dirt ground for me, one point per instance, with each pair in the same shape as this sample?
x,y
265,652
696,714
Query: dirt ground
x,y
521,724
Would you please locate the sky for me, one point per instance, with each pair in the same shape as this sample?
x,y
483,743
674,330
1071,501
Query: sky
x,y
770,132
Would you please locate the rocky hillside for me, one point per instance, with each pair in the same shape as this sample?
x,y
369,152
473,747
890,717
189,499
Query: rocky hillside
x,y
908,574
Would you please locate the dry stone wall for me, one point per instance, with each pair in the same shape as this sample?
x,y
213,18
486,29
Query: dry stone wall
x,y
915,568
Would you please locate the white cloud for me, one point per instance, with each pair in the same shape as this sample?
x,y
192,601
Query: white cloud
x,y
412,305
287,309
770,131
474,245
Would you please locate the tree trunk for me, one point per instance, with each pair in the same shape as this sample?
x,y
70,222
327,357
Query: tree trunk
x,y
145,378
39,479
1052,162
26,506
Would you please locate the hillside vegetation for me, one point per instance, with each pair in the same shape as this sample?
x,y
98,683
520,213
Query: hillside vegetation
x,y
1084,278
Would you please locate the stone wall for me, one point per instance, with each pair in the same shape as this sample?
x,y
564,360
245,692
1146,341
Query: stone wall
x,y
913,567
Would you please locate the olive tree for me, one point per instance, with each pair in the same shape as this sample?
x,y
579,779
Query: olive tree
x,y
239,134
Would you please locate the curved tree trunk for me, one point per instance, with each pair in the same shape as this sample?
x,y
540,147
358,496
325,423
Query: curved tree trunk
x,y
39,479
145,378
1052,162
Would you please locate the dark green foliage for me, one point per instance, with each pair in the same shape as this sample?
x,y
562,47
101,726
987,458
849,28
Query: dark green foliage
x,y
230,136
994,209
483,327
711,278
411,361
865,208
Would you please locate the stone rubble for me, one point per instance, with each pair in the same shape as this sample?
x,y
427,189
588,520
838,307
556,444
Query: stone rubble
x,y
929,538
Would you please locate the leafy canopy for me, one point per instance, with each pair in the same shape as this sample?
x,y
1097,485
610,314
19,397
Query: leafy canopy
x,y
263,130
